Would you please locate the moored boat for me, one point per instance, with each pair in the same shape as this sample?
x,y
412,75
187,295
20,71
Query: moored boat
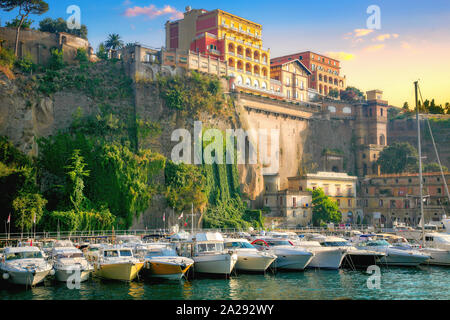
x,y
70,260
162,261
249,258
25,266
117,263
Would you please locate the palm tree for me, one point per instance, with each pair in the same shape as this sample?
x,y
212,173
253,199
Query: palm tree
x,y
114,42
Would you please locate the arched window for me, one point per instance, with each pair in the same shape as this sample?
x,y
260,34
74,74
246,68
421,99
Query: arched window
x,y
256,84
240,80
264,85
248,82
382,140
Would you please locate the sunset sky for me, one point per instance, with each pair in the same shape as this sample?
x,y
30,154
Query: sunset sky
x,y
412,44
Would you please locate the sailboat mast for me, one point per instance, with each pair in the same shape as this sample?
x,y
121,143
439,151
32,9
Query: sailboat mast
x,y
420,163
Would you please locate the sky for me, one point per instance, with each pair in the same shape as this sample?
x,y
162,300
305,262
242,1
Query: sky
x,y
412,43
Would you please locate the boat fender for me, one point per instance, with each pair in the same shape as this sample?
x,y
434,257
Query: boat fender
x,y
6,276
230,252
52,272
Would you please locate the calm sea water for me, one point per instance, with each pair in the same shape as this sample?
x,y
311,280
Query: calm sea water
x,y
396,283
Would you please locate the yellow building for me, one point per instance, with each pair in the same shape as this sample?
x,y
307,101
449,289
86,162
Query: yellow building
x,y
293,76
230,38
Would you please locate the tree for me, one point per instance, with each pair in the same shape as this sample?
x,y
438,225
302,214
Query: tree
x,y
60,25
434,167
398,158
101,52
334,93
114,42
405,107
76,185
28,210
325,210
352,94
26,7
15,23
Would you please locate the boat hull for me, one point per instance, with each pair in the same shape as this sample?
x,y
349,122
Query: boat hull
x,y
64,275
253,263
403,260
293,261
27,278
438,257
118,271
222,264
327,259
167,271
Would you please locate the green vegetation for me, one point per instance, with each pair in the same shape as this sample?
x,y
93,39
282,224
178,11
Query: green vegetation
x,y
325,210
193,93
60,25
398,158
334,93
7,58
352,94
26,24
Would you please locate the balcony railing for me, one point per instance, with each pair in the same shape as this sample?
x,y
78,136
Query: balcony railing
x,y
241,85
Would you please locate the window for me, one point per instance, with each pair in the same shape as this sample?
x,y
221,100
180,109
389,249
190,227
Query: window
x,y
380,203
294,202
392,203
439,190
339,202
349,202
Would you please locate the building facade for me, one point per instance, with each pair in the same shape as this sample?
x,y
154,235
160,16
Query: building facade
x,y
326,72
293,77
293,206
338,186
394,198
228,38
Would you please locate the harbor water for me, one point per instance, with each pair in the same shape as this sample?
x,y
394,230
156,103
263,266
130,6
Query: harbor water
x,y
422,283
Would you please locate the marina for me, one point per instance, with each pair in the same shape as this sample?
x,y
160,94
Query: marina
x,y
228,266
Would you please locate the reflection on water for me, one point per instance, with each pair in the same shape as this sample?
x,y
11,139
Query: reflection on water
x,y
396,283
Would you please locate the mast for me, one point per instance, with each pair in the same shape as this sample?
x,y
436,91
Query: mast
x,y
416,83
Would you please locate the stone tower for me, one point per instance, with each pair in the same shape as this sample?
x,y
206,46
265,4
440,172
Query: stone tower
x,y
371,132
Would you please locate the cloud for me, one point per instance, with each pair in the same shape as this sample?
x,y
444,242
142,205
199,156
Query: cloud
x,y
362,32
152,12
386,36
127,3
374,48
341,56
406,45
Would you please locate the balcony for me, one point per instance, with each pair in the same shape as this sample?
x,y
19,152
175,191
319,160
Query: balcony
x,y
249,58
214,51
271,92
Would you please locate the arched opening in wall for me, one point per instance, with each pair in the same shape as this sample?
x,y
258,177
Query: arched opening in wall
x,y
341,83
231,63
231,48
320,89
240,80
320,77
256,55
382,140
264,85
240,51
335,169
364,169
325,79
248,53
240,65
256,70
264,72
256,84
264,58
335,82
248,68
248,82
325,90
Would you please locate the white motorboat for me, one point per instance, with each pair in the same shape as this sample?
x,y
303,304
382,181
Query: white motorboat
x,y
324,258
25,266
394,256
162,261
68,261
209,255
117,263
249,258
354,258
289,257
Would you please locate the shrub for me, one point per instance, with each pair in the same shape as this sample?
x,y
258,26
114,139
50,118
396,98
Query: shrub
x,y
82,56
26,64
7,57
56,61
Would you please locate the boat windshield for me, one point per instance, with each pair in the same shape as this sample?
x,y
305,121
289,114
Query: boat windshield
x,y
238,245
109,254
378,243
336,244
126,253
167,252
69,255
210,247
279,243
23,255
